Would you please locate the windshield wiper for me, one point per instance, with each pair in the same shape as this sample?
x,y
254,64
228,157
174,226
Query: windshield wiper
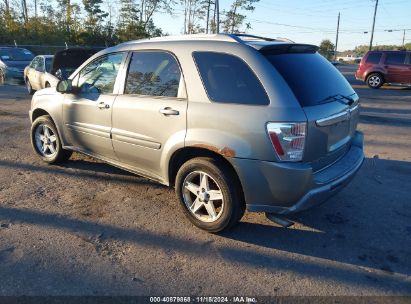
x,y
338,97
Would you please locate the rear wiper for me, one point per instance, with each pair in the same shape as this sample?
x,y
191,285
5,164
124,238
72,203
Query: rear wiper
x,y
350,99
328,99
338,97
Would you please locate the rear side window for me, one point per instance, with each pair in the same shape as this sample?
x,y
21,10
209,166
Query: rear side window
x,y
311,77
228,79
374,58
154,74
395,58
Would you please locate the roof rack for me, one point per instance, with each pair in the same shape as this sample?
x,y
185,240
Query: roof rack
x,y
240,38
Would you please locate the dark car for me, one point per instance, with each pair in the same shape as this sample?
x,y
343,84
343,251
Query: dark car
x,y
385,67
12,63
67,61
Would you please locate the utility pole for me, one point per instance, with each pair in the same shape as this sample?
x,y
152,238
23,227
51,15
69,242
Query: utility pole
x,y
336,38
373,23
403,34
208,15
217,10
403,38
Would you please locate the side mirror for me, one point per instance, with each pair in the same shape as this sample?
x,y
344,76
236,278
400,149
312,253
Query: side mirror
x,y
65,86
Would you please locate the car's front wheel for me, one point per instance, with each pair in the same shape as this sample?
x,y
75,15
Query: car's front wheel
x,y
209,194
46,141
375,80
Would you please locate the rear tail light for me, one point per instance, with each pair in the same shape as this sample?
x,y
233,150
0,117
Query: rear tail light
x,y
288,140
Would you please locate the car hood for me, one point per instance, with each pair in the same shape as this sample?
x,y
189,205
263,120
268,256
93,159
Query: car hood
x,y
46,91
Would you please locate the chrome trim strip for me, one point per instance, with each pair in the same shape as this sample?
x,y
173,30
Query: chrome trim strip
x,y
330,120
134,139
90,129
355,108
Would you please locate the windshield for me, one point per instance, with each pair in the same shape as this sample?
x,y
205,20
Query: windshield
x,y
16,54
311,77
49,62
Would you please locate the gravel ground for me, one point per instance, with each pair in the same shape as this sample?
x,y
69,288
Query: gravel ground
x,y
86,228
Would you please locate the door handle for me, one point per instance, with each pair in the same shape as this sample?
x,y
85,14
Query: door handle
x,y
102,105
169,111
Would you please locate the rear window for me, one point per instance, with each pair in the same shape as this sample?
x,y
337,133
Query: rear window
x,y
228,79
395,58
311,77
373,58
16,54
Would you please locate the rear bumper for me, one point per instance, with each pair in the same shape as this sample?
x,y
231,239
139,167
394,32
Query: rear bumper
x,y
288,188
358,76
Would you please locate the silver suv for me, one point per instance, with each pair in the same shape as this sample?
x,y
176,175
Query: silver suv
x,y
233,122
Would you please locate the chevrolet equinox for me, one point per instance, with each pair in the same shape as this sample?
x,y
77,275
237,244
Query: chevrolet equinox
x,y
233,122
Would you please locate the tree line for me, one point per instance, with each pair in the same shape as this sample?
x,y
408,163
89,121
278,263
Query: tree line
x,y
98,23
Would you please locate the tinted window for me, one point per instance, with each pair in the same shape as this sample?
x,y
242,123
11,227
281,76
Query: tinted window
x,y
100,75
16,54
395,58
49,62
311,77
374,57
228,79
40,64
35,63
153,73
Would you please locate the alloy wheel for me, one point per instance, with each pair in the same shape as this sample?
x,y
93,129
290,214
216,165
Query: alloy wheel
x,y
374,81
203,196
46,140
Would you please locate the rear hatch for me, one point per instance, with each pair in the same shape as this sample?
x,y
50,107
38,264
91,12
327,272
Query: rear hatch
x,y
68,60
328,100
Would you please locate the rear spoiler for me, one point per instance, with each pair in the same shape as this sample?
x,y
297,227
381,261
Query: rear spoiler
x,y
275,49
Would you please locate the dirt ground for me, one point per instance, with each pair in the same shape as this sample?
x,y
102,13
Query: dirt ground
x,y
86,228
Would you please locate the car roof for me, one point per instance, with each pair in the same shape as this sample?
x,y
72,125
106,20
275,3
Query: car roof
x,y
388,51
45,56
256,42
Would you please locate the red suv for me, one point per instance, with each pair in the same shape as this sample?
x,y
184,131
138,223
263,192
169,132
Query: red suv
x,y
379,67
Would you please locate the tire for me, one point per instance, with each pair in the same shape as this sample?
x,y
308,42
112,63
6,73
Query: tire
x,y
375,80
2,78
46,141
47,85
196,196
29,87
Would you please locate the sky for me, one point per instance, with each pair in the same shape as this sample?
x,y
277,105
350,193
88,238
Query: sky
x,y
310,21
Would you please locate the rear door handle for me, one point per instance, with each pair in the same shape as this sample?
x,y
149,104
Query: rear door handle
x,y
169,111
102,105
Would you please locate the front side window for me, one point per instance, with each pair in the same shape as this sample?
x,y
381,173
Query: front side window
x,y
374,58
35,63
40,64
100,75
154,74
228,79
395,58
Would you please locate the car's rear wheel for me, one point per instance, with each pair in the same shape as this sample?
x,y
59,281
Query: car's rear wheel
x,y
46,141
29,87
209,194
375,80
